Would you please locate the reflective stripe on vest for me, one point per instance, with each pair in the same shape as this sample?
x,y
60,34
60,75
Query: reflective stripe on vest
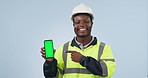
x,y
76,70
82,70
65,54
102,63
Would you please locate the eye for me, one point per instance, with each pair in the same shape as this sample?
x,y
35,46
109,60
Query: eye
x,y
77,22
87,21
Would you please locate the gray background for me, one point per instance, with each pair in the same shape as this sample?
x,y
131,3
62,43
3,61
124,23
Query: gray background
x,y
24,24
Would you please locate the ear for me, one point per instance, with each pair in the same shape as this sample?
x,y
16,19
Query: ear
x,y
92,23
73,24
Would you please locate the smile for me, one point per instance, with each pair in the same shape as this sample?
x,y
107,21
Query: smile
x,y
82,29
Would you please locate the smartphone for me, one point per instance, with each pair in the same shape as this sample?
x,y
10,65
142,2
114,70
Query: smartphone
x,y
49,50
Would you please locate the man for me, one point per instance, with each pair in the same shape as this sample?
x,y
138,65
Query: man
x,y
84,56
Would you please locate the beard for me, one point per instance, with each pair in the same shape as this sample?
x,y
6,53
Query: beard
x,y
83,36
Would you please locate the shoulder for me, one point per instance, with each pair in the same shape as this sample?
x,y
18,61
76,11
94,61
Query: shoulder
x,y
66,44
105,45
101,42
102,45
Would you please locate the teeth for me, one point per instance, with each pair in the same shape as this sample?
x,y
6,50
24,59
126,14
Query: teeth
x,y
82,29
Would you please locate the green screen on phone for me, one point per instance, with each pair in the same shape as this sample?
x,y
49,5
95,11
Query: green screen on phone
x,y
49,52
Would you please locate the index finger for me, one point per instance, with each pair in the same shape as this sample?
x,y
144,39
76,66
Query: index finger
x,y
69,51
42,48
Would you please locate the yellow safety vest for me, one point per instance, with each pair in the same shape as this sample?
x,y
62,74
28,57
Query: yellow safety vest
x,y
69,69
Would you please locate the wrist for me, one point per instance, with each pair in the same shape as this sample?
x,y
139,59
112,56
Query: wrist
x,y
82,60
50,59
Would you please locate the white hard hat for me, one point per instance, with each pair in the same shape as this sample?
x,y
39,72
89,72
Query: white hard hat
x,y
82,8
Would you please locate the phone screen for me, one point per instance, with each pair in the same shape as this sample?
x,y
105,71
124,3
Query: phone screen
x,y
49,51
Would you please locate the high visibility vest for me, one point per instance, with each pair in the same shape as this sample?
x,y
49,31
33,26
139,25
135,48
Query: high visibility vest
x,y
69,69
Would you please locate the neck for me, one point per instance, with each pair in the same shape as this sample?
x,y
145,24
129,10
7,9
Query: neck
x,y
84,40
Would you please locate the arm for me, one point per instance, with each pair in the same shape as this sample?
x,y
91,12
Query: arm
x,y
92,65
50,68
50,65
105,66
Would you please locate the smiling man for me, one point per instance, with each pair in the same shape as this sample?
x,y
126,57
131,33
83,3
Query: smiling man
x,y
84,56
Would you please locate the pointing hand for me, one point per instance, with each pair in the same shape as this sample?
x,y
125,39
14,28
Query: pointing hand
x,y
75,56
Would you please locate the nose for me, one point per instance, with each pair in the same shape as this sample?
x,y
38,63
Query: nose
x,y
82,24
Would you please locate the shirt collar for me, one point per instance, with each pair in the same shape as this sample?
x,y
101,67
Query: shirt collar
x,y
77,44
80,44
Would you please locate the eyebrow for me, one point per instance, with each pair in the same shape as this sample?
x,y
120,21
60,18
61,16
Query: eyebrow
x,y
88,19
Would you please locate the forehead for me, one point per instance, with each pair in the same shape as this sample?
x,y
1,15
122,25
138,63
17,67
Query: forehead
x,y
82,17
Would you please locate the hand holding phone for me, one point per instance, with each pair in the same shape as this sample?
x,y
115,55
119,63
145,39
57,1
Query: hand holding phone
x,y
49,50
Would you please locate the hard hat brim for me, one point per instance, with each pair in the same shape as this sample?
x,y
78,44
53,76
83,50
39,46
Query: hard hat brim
x,y
89,14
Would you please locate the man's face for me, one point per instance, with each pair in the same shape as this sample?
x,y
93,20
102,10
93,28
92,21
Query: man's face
x,y
82,25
